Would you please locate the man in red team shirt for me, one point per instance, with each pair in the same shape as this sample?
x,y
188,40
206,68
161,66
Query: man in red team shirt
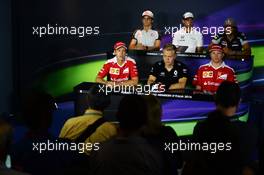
x,y
209,76
121,69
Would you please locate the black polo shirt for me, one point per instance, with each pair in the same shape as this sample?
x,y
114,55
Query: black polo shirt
x,y
166,77
235,44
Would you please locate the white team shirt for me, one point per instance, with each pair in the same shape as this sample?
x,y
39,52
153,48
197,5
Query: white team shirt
x,y
192,40
146,38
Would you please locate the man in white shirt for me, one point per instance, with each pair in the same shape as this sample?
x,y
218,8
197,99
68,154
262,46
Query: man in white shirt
x,y
187,39
146,38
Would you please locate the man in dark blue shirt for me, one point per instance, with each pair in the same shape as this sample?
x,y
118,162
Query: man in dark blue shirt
x,y
169,72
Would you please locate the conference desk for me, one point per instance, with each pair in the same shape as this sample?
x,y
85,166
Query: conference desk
x,y
181,108
181,111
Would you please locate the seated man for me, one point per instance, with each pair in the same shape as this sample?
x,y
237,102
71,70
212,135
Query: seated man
x,y
121,69
187,39
209,76
129,153
234,43
170,73
146,38
220,128
95,104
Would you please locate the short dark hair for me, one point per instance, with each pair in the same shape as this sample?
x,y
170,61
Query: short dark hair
x,y
228,94
170,47
97,100
35,104
132,112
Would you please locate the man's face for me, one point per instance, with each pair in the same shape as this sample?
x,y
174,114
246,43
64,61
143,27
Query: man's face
x,y
216,56
188,22
120,53
168,57
147,21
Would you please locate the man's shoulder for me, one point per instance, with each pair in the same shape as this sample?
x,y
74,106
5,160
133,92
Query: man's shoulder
x,y
130,60
204,66
179,64
241,35
137,31
228,68
111,61
179,32
155,31
159,64
76,120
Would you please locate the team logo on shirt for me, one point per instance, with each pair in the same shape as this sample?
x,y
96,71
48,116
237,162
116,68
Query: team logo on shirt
x,y
114,71
182,38
222,77
175,73
126,70
208,74
162,74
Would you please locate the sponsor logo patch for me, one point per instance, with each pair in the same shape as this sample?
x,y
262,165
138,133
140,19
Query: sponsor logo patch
x,y
114,71
208,74
126,70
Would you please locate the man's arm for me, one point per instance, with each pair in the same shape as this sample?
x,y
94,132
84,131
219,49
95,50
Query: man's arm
x,y
132,82
133,44
180,85
246,49
199,46
156,46
199,49
103,73
198,87
245,53
102,81
151,79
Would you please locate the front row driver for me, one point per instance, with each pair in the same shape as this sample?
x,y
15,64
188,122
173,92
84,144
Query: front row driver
x,y
168,73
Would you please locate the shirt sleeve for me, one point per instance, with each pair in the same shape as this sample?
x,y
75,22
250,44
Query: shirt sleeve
x,y
64,130
199,40
243,38
184,70
134,35
158,36
175,39
134,71
197,78
104,71
231,76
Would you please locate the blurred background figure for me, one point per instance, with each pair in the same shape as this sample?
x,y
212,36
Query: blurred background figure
x,y
233,42
5,144
145,38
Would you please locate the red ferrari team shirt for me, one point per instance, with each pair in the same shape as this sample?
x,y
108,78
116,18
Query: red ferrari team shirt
x,y
209,77
118,72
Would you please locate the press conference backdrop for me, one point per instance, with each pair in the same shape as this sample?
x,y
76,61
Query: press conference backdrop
x,y
108,21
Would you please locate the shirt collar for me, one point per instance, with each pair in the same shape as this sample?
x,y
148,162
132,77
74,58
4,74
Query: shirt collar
x,y
93,111
115,61
221,66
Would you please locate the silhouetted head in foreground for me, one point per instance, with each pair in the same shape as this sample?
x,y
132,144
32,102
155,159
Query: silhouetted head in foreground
x,y
132,113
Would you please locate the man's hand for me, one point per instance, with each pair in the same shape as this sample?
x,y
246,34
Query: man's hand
x,y
141,47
